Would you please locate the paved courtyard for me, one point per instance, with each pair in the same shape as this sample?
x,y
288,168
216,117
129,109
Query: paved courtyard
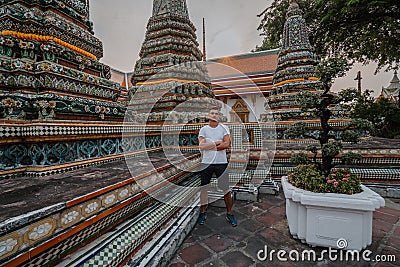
x,y
262,224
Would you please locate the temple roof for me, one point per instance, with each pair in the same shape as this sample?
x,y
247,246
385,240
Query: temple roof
x,y
393,90
243,74
395,83
248,63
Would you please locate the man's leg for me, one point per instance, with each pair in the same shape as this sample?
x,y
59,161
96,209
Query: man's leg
x,y
223,183
228,201
205,176
203,198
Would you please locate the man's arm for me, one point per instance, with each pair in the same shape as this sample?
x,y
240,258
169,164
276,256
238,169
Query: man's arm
x,y
203,145
225,144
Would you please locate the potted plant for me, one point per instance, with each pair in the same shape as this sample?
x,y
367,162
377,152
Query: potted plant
x,y
328,206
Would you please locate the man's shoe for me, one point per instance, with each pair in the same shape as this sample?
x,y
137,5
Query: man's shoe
x,y
231,219
202,218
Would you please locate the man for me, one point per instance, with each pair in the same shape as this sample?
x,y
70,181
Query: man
x,y
214,139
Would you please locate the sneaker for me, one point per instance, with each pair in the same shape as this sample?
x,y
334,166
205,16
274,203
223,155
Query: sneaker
x,y
231,219
202,218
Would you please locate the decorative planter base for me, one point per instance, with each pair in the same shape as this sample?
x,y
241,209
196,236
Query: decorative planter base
x,y
322,219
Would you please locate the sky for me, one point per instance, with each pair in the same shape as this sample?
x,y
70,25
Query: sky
x,y
231,29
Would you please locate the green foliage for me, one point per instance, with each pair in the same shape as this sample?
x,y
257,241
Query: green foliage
x,y
331,68
272,22
297,130
350,158
381,118
347,95
307,100
357,30
361,124
271,26
309,177
342,31
331,149
350,136
299,158
312,148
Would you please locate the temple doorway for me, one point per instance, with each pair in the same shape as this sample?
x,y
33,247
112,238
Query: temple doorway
x,y
240,112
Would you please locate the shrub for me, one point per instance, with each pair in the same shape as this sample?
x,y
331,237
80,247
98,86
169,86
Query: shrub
x,y
310,178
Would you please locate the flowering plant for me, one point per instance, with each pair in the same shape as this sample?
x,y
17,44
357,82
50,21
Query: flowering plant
x,y
310,178
342,181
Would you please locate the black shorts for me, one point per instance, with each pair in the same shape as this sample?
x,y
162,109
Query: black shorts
x,y
220,171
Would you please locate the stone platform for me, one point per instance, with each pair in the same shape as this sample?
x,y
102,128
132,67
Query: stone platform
x,y
43,219
262,224
25,194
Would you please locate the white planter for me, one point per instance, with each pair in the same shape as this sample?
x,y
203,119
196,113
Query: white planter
x,y
321,219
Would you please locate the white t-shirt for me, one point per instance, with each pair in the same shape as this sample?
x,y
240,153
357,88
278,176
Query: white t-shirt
x,y
214,135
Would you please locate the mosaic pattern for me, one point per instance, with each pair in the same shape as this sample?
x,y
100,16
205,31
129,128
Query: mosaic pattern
x,y
48,23
9,245
69,218
50,52
61,249
122,244
51,108
48,46
45,75
56,129
95,229
177,7
45,154
60,152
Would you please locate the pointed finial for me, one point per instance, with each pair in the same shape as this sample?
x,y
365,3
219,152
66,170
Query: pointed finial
x,y
359,78
294,9
204,40
293,3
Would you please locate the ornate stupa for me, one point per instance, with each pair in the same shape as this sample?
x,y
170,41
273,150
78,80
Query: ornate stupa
x,y
392,92
296,68
169,71
49,66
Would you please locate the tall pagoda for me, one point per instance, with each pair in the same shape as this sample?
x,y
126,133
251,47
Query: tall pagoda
x,y
49,66
170,70
296,68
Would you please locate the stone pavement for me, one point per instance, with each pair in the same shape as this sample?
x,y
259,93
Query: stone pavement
x,y
264,223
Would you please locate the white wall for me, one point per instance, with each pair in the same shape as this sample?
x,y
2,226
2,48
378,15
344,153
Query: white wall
x,y
255,104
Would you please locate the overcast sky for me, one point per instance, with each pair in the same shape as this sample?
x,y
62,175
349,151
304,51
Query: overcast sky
x,y
231,29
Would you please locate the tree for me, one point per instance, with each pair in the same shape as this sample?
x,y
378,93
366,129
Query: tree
x,y
330,145
355,30
382,114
